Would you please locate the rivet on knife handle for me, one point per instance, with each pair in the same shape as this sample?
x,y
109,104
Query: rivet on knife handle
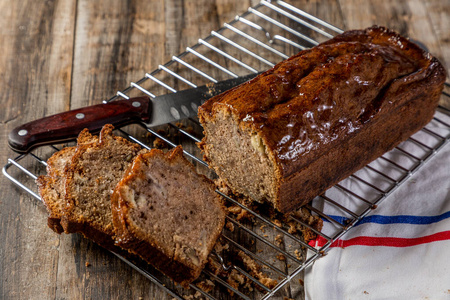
x,y
67,125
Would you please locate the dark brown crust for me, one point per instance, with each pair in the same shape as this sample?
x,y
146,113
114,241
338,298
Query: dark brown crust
x,y
402,80
347,157
50,187
48,195
150,250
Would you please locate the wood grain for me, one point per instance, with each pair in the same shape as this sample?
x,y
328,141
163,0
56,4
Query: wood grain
x,y
57,55
35,78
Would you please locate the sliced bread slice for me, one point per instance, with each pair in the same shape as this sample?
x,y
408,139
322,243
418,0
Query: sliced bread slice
x,y
91,176
52,186
168,214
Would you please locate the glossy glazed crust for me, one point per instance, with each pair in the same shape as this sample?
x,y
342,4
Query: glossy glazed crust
x,y
334,99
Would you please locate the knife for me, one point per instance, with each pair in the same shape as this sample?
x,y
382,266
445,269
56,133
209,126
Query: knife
x,y
160,110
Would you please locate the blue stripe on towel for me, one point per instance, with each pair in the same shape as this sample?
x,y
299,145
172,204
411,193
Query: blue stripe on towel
x,y
404,219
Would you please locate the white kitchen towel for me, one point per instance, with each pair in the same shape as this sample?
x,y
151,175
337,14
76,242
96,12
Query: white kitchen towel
x,y
401,250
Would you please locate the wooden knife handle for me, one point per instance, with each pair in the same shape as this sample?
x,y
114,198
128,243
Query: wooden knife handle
x,y
67,125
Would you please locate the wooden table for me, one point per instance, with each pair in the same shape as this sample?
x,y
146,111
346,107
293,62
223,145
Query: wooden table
x,y
58,55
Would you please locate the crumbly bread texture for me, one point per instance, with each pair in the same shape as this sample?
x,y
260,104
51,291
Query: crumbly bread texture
x,y
168,214
297,129
52,186
314,221
91,176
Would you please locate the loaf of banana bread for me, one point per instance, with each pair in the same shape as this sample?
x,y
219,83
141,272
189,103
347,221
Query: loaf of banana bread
x,y
297,129
168,214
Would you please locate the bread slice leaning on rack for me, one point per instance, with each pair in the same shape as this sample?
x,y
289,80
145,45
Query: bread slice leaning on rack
x,y
168,214
52,186
91,176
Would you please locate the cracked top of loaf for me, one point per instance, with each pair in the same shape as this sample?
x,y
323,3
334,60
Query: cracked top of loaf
x,y
327,93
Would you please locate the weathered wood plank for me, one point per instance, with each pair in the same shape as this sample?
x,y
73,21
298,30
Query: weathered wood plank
x,y
36,43
438,15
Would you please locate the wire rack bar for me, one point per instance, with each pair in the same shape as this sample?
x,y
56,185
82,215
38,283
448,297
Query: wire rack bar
x,y
288,29
243,49
310,17
350,192
226,55
256,41
296,19
343,208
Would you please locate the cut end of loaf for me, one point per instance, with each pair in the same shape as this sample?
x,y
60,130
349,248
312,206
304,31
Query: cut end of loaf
x,y
240,157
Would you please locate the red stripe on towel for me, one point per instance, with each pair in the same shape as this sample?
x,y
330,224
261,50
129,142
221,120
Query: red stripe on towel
x,y
383,241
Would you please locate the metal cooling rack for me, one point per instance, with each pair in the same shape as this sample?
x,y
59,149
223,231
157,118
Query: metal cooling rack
x,y
255,41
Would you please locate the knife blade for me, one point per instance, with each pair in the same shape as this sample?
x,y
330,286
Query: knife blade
x,y
66,126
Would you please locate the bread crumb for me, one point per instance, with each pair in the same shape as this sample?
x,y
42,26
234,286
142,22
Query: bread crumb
x,y
219,247
298,254
301,282
281,257
248,262
268,282
206,285
241,214
279,239
305,216
230,226
254,270
263,228
159,144
235,279
189,130
214,266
